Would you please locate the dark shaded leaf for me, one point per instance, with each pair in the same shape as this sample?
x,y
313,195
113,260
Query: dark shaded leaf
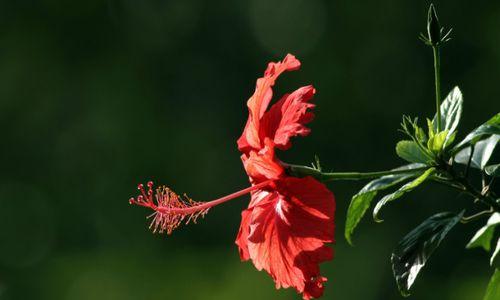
x,y
413,251
410,186
362,200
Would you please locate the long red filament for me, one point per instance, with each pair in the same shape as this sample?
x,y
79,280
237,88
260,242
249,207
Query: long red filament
x,y
209,204
170,209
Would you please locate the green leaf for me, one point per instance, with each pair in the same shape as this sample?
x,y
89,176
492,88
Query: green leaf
x,y
420,135
362,200
482,152
493,170
430,128
437,142
410,186
413,251
492,126
482,238
410,151
357,209
493,289
450,139
495,255
450,112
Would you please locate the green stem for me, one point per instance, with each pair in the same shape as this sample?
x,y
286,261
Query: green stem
x,y
437,81
449,183
301,171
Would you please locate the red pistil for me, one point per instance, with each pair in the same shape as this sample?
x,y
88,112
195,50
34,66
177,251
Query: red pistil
x,y
170,209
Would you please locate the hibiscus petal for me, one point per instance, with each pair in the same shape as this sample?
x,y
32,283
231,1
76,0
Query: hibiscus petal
x,y
287,117
288,231
257,104
314,288
242,238
262,165
246,217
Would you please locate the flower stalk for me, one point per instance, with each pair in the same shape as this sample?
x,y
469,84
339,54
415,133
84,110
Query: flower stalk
x,y
436,36
437,83
302,171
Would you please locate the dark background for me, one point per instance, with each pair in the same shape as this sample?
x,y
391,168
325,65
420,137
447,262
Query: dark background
x,y
97,96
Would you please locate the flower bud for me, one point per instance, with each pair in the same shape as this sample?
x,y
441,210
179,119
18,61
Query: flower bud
x,y
433,27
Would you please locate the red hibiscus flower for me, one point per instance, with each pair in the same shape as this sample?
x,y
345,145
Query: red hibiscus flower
x,y
289,220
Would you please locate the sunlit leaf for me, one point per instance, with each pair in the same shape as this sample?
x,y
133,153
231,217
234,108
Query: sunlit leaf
x,y
420,134
482,238
411,152
451,111
410,186
362,200
492,126
437,142
430,127
493,289
413,251
482,152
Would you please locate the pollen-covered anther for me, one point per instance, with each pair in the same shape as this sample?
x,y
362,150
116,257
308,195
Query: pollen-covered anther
x,y
144,198
170,209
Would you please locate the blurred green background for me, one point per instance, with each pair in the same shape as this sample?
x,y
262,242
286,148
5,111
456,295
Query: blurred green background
x,y
97,96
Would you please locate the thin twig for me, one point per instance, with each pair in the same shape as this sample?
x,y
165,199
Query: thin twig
x,y
475,216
